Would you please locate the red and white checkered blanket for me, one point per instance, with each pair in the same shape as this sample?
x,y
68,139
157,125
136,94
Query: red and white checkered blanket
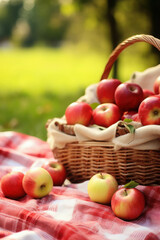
x,y
67,212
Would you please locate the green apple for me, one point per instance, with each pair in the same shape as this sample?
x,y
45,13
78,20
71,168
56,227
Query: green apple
x,y
101,187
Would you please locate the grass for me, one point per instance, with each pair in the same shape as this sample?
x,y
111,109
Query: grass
x,y
41,70
37,84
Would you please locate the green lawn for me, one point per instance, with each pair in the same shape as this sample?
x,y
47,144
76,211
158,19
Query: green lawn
x,y
40,70
38,83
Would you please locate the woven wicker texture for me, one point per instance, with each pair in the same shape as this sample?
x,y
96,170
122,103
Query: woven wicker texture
x,y
83,160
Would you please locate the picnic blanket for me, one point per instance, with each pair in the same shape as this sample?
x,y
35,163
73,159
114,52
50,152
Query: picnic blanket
x,y
67,212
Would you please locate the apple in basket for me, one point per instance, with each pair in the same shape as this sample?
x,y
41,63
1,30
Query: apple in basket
x,y
128,203
106,114
156,85
37,182
78,112
147,93
128,96
130,115
11,185
57,172
106,89
101,187
149,110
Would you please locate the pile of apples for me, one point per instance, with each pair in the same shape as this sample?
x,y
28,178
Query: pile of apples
x,y
118,101
127,202
36,182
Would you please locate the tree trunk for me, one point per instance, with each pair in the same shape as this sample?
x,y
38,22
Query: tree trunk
x,y
114,33
154,12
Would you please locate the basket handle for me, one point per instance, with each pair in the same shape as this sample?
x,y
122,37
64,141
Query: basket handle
x,y
129,41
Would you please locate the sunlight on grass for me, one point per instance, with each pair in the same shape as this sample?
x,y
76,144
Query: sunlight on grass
x,y
39,83
38,70
45,69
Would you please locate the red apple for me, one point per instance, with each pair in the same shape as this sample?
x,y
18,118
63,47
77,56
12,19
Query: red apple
x,y
11,185
136,118
147,93
131,115
128,203
101,187
37,182
78,112
106,114
106,89
156,85
57,172
149,110
128,96
128,114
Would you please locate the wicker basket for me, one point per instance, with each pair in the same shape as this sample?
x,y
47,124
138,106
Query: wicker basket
x,y
82,160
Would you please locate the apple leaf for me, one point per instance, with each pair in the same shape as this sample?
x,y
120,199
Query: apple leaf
x,y
94,105
131,184
131,128
127,120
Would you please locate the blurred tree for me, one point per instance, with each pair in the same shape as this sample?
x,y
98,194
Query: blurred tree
x,y
105,15
46,22
9,13
154,15
114,31
52,22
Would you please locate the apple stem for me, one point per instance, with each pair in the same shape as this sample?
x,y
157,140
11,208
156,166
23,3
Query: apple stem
x,y
125,192
101,175
42,186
